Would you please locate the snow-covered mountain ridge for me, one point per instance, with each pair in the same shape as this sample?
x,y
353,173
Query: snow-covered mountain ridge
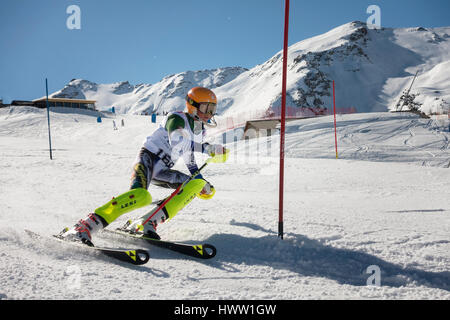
x,y
164,95
371,69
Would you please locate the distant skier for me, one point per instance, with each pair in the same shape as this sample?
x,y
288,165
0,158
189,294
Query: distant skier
x,y
179,135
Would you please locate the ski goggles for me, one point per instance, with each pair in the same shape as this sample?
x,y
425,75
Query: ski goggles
x,y
204,107
207,108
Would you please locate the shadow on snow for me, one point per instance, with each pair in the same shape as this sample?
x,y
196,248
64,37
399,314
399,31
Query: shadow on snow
x,y
308,257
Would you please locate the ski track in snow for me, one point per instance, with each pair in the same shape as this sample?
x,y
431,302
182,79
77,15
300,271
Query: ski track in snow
x,y
384,202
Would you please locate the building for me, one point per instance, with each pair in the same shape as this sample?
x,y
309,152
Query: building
x,y
264,127
21,103
256,128
65,103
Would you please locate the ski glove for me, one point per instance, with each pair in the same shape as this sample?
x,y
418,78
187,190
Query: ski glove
x,y
207,192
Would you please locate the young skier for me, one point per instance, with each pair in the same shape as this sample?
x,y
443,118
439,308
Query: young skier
x,y
179,136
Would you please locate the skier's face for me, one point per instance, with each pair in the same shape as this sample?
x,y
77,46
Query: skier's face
x,y
205,117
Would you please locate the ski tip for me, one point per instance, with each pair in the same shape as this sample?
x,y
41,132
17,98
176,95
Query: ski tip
x,y
206,251
138,256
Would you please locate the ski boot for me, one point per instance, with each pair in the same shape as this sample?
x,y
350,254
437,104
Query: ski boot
x,y
148,229
83,230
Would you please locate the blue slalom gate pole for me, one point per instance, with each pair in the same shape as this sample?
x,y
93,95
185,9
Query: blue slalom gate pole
x,y
48,120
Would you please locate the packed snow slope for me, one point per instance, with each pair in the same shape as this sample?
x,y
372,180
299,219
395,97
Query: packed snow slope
x,y
383,203
371,69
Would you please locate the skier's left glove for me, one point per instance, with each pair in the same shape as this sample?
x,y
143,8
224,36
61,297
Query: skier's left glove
x,y
207,192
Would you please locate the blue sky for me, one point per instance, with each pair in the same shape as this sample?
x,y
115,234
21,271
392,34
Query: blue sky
x,y
144,40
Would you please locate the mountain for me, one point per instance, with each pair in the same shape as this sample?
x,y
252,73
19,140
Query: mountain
x,y
371,69
165,95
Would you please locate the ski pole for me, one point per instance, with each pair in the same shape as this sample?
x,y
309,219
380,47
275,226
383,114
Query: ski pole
x,y
219,158
196,173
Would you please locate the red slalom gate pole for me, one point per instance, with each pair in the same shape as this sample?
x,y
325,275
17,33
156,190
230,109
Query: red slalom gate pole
x,y
334,111
283,120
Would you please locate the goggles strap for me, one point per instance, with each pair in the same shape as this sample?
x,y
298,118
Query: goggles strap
x,y
192,102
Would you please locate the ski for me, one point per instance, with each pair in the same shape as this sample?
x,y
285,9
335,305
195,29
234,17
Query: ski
x,y
133,256
201,251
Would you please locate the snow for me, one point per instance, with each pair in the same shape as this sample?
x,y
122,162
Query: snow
x,y
384,202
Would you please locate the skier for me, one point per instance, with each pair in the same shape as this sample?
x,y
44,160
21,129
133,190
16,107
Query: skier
x,y
179,135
